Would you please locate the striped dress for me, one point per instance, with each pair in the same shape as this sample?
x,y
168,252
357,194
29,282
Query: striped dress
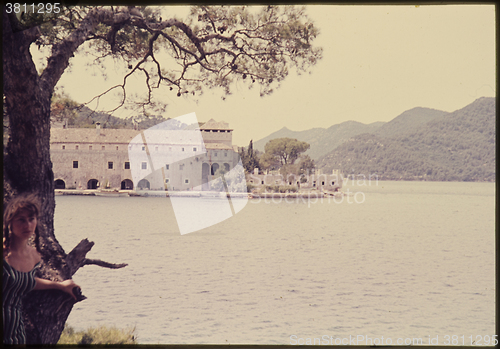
x,y
15,284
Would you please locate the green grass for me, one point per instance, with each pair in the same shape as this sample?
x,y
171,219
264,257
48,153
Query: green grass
x,y
98,335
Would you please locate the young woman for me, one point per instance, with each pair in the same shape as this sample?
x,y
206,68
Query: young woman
x,y
20,261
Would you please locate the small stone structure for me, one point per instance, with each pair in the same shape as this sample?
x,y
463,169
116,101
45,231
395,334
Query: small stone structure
x,y
320,181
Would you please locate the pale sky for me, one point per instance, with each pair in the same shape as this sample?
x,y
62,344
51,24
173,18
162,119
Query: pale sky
x,y
378,61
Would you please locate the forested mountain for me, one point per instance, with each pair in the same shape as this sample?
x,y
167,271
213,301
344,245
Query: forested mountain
x,y
458,146
408,121
322,140
325,140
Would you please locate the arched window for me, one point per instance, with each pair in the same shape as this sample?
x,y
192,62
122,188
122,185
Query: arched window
x,y
127,184
143,184
92,183
59,184
215,167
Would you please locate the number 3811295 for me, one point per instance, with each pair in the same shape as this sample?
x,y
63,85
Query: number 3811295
x,y
32,8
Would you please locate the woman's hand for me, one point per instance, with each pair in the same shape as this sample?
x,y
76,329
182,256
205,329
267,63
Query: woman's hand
x,y
67,286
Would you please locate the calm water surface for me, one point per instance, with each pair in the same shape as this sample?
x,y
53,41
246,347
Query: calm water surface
x,y
398,260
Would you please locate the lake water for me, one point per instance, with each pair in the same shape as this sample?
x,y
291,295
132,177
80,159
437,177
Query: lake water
x,y
396,260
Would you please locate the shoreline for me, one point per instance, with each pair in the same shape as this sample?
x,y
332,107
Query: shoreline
x,y
204,194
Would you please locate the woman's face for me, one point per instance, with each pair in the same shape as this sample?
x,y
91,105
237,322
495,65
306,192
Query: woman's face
x,y
23,225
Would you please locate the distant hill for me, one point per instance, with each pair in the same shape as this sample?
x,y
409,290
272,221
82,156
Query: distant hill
x,y
286,133
86,118
305,136
458,146
408,121
322,140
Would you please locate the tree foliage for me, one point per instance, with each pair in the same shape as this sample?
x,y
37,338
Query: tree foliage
x,y
249,158
284,150
306,164
214,47
269,162
303,167
63,108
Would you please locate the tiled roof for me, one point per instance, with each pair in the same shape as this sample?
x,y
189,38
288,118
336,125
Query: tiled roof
x,y
91,135
106,135
214,125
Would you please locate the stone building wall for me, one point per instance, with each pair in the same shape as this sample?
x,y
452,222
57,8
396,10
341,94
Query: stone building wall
x,y
86,158
93,162
217,136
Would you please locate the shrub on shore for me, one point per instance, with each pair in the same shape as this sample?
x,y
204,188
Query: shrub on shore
x,y
98,335
280,188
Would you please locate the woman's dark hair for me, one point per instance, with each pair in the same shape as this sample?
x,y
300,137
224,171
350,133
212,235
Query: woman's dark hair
x,y
23,202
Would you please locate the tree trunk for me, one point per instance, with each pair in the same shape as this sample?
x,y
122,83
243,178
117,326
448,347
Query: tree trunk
x,y
27,168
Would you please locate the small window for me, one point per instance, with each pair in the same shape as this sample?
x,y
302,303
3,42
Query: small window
x,y
143,148
127,165
63,147
75,164
215,154
262,182
181,167
144,165
194,148
90,147
103,147
333,182
110,165
182,149
167,166
167,180
186,181
76,147
116,147
225,155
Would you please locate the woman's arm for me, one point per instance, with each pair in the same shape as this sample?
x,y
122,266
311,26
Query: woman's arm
x,y
66,286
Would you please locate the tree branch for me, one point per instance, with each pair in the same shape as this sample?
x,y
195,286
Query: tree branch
x,y
261,49
77,258
103,264
64,50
